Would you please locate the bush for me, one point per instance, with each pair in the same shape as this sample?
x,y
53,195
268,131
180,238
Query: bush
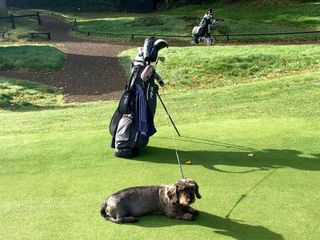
x,y
5,100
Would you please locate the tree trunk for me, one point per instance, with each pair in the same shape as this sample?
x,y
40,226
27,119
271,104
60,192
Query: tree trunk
x,y
3,8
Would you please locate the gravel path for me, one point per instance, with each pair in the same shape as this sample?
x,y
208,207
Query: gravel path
x,y
91,72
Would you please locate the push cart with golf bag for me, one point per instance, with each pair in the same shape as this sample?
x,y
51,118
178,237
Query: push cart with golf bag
x,y
202,32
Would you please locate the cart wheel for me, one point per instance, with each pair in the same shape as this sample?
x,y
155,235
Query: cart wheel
x,y
194,41
210,40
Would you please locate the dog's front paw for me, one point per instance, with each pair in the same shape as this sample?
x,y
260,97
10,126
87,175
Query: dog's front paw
x,y
192,211
187,216
196,213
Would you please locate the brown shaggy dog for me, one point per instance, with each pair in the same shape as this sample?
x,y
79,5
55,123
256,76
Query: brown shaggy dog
x,y
172,200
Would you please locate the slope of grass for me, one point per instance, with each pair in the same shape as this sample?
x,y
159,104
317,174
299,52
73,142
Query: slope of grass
x,y
20,94
31,57
254,150
255,16
199,67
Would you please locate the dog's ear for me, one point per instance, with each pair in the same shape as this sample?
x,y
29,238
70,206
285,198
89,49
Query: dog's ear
x,y
172,193
197,190
192,184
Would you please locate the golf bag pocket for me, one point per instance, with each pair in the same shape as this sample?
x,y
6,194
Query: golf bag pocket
x,y
124,138
125,104
114,122
195,30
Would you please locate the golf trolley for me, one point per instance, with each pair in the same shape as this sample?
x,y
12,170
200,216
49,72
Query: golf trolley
x,y
202,32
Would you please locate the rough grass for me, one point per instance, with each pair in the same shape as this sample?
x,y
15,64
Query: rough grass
x,y
201,67
142,25
31,57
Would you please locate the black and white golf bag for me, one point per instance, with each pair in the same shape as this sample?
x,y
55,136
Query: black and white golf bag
x,y
132,123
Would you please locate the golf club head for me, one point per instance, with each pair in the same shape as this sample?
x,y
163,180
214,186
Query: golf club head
x,y
151,47
159,44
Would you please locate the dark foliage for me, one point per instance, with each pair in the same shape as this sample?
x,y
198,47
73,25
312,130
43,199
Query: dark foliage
x,y
68,4
107,4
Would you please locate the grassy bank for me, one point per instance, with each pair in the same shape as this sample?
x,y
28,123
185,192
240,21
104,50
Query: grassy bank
x,y
19,95
240,17
31,58
203,67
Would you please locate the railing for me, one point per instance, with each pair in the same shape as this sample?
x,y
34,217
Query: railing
x,y
265,34
227,36
34,34
12,18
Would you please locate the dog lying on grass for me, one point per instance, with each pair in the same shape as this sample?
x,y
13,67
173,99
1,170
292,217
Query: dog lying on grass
x,y
173,200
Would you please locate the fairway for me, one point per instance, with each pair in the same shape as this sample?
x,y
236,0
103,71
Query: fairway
x,y
256,162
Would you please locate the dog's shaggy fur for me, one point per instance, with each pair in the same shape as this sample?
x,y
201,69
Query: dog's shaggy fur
x,y
172,200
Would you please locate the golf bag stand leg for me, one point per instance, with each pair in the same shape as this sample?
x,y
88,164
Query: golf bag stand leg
x,y
168,115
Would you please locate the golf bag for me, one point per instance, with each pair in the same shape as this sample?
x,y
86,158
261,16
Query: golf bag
x,y
132,123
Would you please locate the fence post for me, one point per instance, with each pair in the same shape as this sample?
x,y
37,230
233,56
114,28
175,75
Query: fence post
x,y
74,25
12,21
227,37
39,19
132,36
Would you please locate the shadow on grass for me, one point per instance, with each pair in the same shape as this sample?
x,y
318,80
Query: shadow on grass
x,y
223,226
239,156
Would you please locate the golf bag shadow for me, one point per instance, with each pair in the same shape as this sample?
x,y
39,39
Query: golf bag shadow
x,y
132,123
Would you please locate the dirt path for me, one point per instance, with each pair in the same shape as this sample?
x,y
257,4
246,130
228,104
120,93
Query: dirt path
x,y
91,72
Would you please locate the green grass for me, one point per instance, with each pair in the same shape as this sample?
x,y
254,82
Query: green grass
x,y
21,94
240,17
57,166
202,67
31,57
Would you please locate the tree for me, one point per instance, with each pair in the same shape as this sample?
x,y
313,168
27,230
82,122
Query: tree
x,y
3,8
